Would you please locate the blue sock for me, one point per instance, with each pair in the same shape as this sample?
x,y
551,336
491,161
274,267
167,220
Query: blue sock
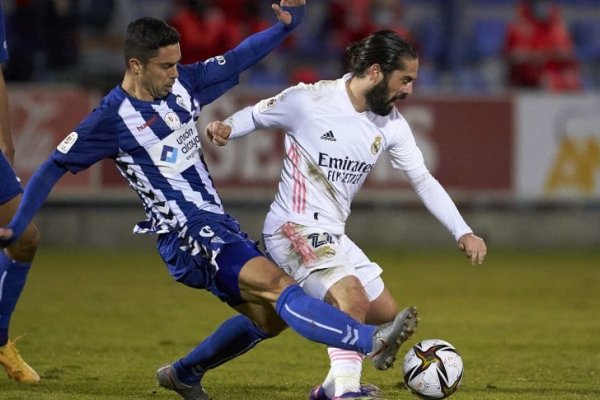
x,y
323,323
233,338
13,275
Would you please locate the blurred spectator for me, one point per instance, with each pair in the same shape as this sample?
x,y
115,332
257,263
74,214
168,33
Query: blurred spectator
x,y
43,38
348,21
351,20
57,40
60,21
305,74
539,49
24,38
205,30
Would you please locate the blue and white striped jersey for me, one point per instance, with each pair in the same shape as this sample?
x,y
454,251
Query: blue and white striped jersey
x,y
155,144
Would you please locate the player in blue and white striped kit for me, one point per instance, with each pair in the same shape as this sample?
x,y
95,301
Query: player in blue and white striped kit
x,y
15,260
147,126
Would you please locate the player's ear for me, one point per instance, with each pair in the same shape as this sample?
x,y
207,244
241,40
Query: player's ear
x,y
135,65
375,73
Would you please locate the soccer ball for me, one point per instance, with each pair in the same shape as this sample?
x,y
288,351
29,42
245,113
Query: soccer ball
x,y
433,369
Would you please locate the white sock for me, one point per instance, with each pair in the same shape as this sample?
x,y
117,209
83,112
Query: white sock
x,y
344,373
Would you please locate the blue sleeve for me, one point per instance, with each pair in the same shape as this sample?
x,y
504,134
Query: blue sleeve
x,y
94,139
211,78
36,192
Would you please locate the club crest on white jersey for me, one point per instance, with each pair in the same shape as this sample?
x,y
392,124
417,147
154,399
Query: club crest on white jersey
x,y
376,146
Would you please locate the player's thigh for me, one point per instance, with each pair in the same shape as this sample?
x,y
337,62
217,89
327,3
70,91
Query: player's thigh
x,y
261,281
233,268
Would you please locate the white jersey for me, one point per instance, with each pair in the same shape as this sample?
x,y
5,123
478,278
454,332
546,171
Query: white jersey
x,y
330,148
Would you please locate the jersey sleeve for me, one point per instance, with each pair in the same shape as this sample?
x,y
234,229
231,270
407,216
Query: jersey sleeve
x,y
37,190
94,139
406,156
282,111
404,153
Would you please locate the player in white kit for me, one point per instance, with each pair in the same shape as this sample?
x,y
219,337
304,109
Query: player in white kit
x,y
335,133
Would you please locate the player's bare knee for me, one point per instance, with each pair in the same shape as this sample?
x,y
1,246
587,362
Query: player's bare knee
x,y
25,248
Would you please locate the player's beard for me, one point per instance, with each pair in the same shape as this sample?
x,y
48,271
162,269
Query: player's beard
x,y
378,99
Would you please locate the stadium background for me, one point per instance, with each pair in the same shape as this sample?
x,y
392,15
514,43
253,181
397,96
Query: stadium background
x,y
524,167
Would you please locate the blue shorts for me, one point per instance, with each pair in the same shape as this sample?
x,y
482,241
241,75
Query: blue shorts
x,y
191,258
10,183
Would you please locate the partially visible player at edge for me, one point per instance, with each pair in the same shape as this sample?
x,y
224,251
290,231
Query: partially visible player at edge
x,y
147,126
335,131
16,259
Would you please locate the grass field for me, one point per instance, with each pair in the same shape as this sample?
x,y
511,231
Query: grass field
x,y
98,324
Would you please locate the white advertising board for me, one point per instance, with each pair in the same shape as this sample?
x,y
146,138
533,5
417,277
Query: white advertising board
x,y
557,147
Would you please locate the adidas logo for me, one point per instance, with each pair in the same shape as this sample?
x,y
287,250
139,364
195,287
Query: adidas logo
x,y
328,136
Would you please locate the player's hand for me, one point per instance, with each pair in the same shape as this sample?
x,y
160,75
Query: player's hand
x,y
6,237
474,247
218,132
285,16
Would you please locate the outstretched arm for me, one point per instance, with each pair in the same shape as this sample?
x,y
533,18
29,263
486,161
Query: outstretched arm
x,y
36,192
439,203
283,111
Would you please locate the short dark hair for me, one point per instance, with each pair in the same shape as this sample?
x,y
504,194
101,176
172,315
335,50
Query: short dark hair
x,y
386,48
145,36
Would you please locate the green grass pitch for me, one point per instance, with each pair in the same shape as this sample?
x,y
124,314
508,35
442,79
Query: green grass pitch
x,y
98,324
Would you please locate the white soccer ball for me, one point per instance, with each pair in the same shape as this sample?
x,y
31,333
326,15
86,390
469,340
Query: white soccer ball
x,y
433,369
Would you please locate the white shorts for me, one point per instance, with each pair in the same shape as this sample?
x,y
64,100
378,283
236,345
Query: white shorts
x,y
317,259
